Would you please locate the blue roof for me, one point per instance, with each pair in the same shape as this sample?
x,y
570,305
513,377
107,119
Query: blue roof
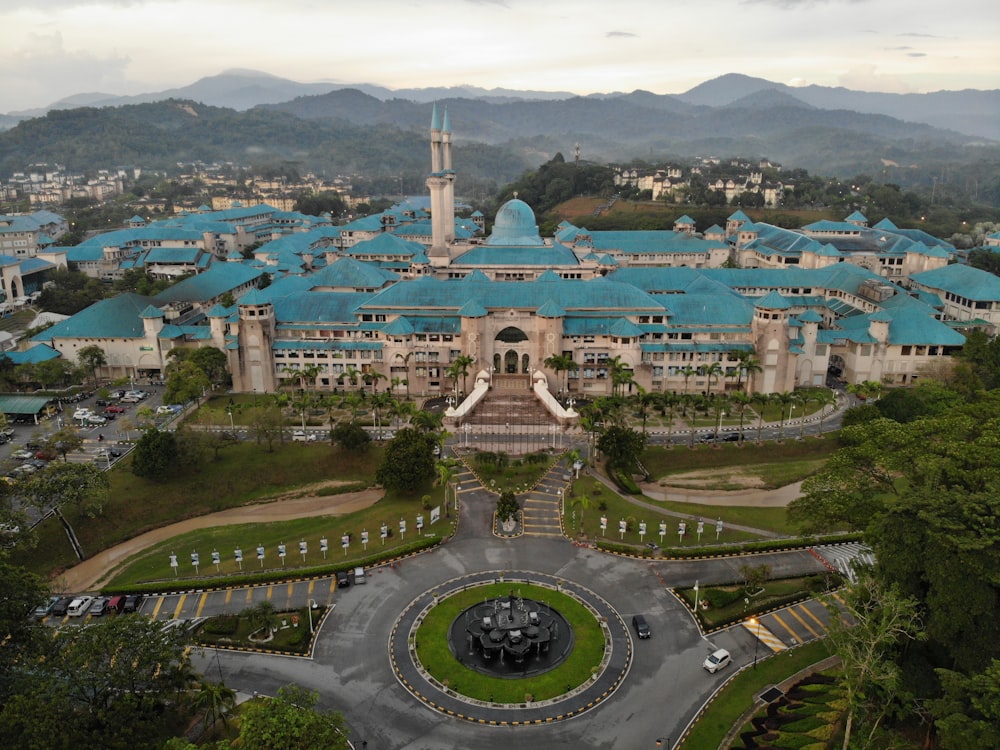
x,y
118,317
514,225
216,281
34,355
964,281
548,256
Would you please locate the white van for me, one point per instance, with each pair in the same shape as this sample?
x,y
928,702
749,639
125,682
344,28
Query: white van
x,y
79,606
359,576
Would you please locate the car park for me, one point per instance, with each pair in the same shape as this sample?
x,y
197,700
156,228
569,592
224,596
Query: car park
x,y
45,608
79,606
717,660
641,626
61,606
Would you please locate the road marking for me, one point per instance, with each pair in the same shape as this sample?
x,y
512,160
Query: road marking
x,y
783,624
819,622
270,591
201,604
180,605
159,603
793,613
249,594
229,595
765,636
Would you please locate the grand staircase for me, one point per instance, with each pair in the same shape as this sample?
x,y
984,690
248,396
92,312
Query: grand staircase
x,y
510,404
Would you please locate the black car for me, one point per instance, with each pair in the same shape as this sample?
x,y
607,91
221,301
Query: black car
x,y
343,579
132,603
641,626
60,608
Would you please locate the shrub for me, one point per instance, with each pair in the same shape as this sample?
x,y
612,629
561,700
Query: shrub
x,y
221,625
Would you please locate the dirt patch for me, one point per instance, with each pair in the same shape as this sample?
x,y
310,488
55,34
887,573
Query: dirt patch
x,y
712,478
285,507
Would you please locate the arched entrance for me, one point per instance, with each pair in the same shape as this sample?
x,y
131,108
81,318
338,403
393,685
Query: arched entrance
x,y
525,364
510,362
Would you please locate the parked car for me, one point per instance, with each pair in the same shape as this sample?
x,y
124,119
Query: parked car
x,y
22,454
82,414
98,607
114,409
46,454
116,603
343,579
168,409
45,608
641,626
717,660
303,437
132,603
61,606
135,394
79,606
96,420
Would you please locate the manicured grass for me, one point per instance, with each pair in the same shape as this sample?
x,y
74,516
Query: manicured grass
x,y
518,473
661,462
618,507
292,631
153,564
244,473
775,591
739,694
436,657
727,478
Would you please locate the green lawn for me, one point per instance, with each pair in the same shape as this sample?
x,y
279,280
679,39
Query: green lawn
x,y
436,657
244,473
618,507
661,462
740,693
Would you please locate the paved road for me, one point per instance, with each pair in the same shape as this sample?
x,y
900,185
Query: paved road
x,y
351,670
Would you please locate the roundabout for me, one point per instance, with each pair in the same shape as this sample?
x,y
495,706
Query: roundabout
x,y
510,660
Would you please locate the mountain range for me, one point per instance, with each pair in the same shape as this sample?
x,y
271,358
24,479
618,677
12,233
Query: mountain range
x,y
254,118
970,112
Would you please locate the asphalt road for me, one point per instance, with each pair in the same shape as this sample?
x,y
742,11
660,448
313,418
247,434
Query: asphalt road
x,y
351,671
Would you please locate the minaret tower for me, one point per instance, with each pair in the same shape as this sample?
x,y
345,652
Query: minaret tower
x,y
449,175
438,184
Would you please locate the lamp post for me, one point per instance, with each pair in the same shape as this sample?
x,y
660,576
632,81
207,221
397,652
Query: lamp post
x,y
755,621
663,742
311,606
458,488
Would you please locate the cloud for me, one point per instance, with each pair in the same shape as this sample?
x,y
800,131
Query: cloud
x,y
41,71
922,36
619,34
501,3
916,54
867,78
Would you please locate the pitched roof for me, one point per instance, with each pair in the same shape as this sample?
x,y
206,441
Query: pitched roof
x,y
117,317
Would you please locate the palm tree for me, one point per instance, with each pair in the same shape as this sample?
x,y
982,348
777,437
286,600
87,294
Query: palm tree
x,y
584,502
427,421
687,371
643,401
350,374
216,700
713,370
741,401
824,397
302,405
372,377
717,404
462,364
800,399
763,399
668,405
785,398
446,473
561,363
261,616
406,364
749,365
620,374
353,401
380,402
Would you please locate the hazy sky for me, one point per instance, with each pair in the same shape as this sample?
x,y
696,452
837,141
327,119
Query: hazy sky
x,y
53,48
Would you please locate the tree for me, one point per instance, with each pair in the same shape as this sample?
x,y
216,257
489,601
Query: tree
x,y
784,399
107,684
561,363
968,713
212,362
185,382
155,456
507,506
761,400
290,721
408,462
81,485
216,701
710,371
64,441
91,358
460,369
406,364
350,436
20,592
879,620
267,424
622,446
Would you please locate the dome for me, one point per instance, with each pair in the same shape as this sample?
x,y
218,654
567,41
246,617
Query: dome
x,y
515,225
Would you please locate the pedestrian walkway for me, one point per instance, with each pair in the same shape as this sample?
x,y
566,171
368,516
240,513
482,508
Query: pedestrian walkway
x,y
845,558
765,636
541,506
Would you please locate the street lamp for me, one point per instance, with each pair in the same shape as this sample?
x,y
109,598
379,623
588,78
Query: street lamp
x,y
663,742
755,621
